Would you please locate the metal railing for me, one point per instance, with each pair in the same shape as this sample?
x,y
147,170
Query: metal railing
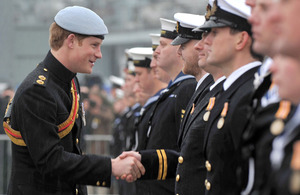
x,y
93,144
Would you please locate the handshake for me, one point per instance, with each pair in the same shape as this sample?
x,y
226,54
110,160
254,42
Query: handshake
x,y
128,166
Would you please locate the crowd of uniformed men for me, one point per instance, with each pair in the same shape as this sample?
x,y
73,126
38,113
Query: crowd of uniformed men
x,y
211,108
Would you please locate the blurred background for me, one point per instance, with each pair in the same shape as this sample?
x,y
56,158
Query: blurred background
x,y
24,36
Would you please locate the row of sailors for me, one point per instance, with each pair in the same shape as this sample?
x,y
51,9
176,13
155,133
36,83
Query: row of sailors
x,y
218,126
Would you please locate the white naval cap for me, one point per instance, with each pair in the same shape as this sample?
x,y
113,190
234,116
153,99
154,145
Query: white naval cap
x,y
235,7
155,40
116,80
185,25
168,28
81,20
141,56
129,63
207,13
231,13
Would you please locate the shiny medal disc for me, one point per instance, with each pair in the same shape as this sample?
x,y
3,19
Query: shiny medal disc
x,y
206,116
221,123
277,127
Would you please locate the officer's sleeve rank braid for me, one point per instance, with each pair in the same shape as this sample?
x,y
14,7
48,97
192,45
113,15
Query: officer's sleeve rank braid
x,y
163,164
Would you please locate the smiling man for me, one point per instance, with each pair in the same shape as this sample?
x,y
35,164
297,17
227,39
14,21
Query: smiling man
x,y
45,117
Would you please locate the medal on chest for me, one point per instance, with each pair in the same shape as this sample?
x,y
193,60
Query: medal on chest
x,y
277,125
221,121
209,107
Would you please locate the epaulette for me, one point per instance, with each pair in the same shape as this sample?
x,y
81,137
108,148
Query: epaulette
x,y
42,77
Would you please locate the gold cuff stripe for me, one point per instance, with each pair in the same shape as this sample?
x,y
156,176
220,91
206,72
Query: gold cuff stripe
x,y
159,165
63,129
165,164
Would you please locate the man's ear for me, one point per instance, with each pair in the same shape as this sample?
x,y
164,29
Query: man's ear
x,y
71,39
242,40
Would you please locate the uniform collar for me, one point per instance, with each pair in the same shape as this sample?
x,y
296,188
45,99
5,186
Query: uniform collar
x,y
237,73
201,81
217,82
180,77
57,68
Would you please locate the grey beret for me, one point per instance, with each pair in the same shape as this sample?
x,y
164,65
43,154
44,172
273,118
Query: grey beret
x,y
80,20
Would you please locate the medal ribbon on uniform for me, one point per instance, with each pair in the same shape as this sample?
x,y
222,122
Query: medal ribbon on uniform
x,y
295,165
209,107
223,115
193,109
283,111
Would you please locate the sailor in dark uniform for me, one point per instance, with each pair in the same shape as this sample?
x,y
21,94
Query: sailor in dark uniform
x,y
267,112
227,25
284,157
189,162
164,121
45,117
148,84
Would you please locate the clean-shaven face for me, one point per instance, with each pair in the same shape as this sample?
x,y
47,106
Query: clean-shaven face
x,y
285,14
166,54
263,30
286,75
220,46
85,55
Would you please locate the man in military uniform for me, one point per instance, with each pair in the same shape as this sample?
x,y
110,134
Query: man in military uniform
x,y
188,163
164,121
159,73
45,118
150,85
284,157
265,104
229,48
285,16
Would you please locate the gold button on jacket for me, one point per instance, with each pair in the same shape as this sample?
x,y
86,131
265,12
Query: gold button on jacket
x,y
208,166
177,177
180,159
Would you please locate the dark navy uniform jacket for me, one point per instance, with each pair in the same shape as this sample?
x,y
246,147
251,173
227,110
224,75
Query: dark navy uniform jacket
x,y
281,177
49,164
143,121
129,126
165,123
257,138
187,166
222,140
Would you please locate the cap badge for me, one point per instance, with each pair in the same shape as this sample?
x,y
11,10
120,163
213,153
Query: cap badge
x,y
211,10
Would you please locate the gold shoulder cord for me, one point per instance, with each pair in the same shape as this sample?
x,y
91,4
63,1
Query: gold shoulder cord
x,y
63,129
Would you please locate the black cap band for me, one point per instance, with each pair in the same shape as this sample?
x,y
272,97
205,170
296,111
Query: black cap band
x,y
188,33
168,34
142,63
231,20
